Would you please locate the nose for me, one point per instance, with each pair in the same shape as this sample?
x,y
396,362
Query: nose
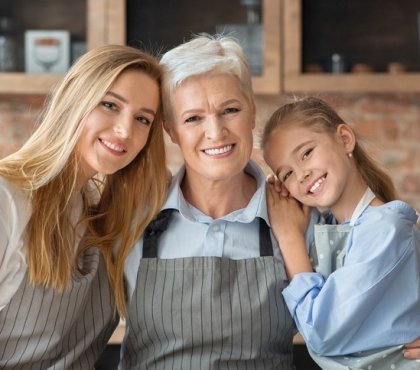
x,y
302,174
123,127
215,128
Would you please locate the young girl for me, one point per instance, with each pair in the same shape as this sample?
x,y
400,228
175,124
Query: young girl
x,y
364,295
59,291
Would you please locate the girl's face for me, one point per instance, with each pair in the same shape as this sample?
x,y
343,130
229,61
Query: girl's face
x,y
212,122
118,128
313,166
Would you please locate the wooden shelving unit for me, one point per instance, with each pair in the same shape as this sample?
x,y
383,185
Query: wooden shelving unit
x,y
296,81
104,25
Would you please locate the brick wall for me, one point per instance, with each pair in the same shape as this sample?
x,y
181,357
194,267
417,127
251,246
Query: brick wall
x,y
388,123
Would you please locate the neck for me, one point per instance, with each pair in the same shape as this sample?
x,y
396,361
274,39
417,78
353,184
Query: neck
x,y
219,198
345,206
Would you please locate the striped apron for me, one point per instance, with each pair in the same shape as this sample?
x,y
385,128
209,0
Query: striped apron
x,y
43,329
208,312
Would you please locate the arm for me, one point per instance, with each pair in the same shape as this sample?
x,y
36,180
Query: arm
x,y
342,314
288,221
12,258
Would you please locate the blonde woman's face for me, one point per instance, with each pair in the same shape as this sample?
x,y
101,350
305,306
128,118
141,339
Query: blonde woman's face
x,y
118,128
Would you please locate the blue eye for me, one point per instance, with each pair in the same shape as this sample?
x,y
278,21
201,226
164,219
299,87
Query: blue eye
x,y
192,119
144,120
230,110
108,105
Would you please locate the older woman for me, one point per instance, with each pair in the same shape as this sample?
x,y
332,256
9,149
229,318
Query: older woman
x,y
208,289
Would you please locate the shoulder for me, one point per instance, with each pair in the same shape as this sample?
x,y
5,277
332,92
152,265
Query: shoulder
x,y
395,214
12,198
387,229
14,215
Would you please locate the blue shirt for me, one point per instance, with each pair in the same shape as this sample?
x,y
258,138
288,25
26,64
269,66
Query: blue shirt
x,y
193,234
373,301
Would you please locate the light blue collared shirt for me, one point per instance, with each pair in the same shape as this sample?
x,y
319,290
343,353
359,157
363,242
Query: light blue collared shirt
x,y
191,233
373,301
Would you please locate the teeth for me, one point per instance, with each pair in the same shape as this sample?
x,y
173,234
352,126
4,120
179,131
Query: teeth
x,y
217,151
316,185
112,146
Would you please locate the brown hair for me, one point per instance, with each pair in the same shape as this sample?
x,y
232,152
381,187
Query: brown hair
x,y
317,115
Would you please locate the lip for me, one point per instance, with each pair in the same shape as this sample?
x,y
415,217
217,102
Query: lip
x,y
219,151
309,187
113,146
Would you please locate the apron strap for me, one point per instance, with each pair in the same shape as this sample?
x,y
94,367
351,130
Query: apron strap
x,y
160,224
153,232
266,246
364,202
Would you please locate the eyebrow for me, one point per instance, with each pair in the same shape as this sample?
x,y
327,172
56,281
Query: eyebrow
x,y
117,96
230,101
301,145
189,111
198,110
124,100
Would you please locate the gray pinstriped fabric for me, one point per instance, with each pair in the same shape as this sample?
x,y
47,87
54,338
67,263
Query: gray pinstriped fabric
x,y
208,313
43,329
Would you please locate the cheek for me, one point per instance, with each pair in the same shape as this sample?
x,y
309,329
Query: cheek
x,y
293,189
141,140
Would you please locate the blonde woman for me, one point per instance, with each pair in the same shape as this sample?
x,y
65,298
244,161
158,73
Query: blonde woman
x,y
90,178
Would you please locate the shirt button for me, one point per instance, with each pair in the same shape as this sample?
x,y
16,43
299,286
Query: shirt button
x,y
216,228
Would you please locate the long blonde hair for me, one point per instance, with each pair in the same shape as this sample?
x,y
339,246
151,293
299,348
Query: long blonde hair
x,y
47,166
316,114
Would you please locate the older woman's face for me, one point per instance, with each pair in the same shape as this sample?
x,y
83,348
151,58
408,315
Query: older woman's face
x,y
212,122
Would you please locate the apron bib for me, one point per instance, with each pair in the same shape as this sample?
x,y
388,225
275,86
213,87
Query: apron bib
x,y
208,312
331,240
43,329
330,246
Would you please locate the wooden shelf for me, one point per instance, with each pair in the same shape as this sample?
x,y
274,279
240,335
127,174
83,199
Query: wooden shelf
x,y
296,81
270,81
104,25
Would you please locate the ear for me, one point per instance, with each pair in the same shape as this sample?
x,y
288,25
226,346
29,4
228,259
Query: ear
x,y
168,126
347,136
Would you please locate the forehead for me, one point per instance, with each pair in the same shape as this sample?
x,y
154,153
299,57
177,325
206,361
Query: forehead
x,y
214,88
284,139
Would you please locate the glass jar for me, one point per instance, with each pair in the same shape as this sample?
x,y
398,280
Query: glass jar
x,y
8,45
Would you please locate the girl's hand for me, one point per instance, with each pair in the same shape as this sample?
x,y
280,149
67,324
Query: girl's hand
x,y
412,350
287,216
278,185
289,221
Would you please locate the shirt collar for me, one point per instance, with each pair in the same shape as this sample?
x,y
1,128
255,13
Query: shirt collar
x,y
256,207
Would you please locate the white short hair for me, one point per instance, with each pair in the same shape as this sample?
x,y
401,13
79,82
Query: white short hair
x,y
204,54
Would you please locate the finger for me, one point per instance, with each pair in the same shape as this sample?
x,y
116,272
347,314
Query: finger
x,y
271,179
284,191
412,354
278,186
414,344
269,188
